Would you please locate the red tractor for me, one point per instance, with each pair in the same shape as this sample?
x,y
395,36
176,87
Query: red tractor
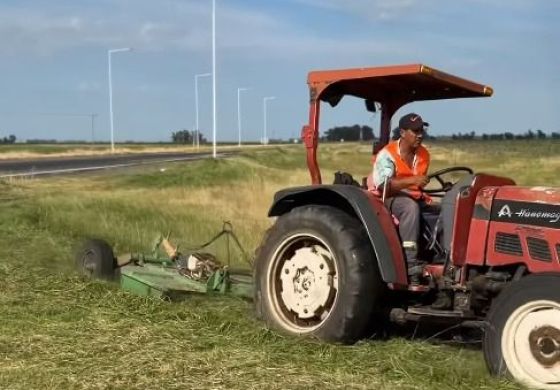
x,y
333,267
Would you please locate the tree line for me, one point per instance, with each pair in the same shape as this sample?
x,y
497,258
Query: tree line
x,y
528,135
349,133
365,133
11,139
187,137
335,134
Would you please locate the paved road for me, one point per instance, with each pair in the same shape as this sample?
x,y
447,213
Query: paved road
x,y
62,165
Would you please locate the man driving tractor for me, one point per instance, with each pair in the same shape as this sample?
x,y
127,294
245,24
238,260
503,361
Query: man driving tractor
x,y
399,173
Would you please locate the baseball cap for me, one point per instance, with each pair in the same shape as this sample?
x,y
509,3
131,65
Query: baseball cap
x,y
412,121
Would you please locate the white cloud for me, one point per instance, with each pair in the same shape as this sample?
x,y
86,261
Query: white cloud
x,y
371,9
244,32
172,24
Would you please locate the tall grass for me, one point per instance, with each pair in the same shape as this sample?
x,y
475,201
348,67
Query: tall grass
x,y
59,331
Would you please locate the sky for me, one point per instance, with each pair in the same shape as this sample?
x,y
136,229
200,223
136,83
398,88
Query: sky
x,y
54,66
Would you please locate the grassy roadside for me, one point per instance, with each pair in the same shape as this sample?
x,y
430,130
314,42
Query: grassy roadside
x,y
59,331
38,151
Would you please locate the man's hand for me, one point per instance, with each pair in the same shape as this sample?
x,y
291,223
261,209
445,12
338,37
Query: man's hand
x,y
419,181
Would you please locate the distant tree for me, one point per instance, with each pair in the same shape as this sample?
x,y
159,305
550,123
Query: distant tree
x,y
541,134
186,137
466,136
11,139
499,136
349,133
182,137
367,133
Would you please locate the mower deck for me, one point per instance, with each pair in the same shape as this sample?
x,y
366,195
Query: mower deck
x,y
167,282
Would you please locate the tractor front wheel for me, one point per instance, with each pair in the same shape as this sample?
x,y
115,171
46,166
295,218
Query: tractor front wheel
x,y
522,339
95,259
316,275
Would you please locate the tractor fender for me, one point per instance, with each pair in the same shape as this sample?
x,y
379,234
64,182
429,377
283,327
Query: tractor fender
x,y
365,206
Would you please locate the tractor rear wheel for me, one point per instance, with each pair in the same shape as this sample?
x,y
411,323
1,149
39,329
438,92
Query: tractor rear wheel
x,y
522,339
316,275
95,259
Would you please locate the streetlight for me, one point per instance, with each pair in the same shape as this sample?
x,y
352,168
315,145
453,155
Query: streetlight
x,y
214,119
109,53
93,127
266,99
239,90
196,77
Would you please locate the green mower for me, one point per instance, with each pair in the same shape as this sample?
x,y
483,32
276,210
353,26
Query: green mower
x,y
167,272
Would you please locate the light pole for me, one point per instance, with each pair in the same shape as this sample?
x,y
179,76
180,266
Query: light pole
x,y
196,77
214,124
109,54
266,99
239,90
93,127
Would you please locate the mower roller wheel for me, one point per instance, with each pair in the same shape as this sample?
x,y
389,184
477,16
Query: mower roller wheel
x,y
522,339
316,275
95,259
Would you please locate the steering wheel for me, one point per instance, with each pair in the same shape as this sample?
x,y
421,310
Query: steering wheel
x,y
445,186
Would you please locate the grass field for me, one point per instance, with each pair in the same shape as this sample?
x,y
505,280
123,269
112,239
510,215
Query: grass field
x,y
38,150
59,331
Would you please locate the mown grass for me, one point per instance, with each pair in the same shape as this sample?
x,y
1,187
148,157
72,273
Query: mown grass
x,y
59,331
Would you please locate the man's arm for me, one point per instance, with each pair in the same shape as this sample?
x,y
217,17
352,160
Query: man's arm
x,y
398,184
384,171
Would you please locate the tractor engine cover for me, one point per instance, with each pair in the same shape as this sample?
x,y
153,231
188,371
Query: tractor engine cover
x,y
525,228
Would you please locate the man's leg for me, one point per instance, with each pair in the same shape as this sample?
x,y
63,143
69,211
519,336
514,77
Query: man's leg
x,y
407,211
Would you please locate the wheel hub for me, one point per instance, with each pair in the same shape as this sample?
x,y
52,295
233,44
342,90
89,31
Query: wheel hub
x,y
531,344
88,262
545,345
308,281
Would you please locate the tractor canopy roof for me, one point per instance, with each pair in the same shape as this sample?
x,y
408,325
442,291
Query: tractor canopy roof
x,y
399,84
389,87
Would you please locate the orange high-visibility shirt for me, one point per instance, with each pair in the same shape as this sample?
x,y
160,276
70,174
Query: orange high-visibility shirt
x,y
389,163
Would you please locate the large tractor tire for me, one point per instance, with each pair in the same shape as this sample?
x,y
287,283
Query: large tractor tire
x,y
316,275
95,259
522,340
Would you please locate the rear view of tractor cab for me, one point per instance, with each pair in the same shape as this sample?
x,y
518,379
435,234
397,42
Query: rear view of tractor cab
x,y
333,266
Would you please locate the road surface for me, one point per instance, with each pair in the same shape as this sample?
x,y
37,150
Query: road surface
x,y
63,165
